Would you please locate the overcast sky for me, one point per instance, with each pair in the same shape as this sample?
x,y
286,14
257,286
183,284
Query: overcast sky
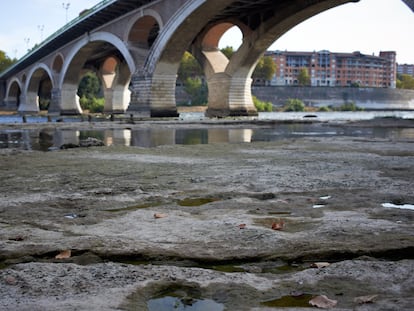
x,y
369,26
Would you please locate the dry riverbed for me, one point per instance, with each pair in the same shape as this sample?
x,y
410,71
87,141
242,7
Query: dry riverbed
x,y
220,226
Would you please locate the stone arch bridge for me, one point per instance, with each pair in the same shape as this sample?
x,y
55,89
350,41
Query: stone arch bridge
x,y
135,47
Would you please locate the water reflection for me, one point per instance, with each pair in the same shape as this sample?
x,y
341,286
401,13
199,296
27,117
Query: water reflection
x,y
46,139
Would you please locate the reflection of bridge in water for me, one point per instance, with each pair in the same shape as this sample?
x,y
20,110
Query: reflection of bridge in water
x,y
49,139
135,47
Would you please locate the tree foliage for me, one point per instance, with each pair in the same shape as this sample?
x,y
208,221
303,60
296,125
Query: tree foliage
x,y
89,86
405,81
5,61
265,69
228,51
90,93
189,68
303,77
197,90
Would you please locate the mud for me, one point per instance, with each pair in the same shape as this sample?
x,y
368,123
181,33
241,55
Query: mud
x,y
214,244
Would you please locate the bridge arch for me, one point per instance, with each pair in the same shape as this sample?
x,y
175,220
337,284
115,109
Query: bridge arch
x,y
143,30
91,52
267,21
57,64
13,93
37,91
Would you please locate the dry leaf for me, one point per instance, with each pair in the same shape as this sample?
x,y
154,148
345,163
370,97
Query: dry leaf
x,y
242,226
365,299
278,225
320,265
159,215
64,254
323,302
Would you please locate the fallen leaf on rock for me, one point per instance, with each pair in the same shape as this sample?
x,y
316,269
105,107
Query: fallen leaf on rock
x,y
64,254
242,226
159,215
323,302
278,225
320,265
365,299
10,280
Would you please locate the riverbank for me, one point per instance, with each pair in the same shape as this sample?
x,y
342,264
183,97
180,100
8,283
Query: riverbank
x,y
229,226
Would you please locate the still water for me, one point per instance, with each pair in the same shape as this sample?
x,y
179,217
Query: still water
x,y
49,139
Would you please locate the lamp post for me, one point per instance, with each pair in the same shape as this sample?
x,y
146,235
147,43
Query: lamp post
x,y
27,40
66,8
41,28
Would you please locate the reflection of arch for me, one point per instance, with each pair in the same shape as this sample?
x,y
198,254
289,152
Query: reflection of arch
x,y
57,63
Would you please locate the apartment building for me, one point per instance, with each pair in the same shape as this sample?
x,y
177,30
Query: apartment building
x,y
335,69
405,69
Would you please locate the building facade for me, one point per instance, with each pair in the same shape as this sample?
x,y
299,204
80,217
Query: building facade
x,y
335,69
405,69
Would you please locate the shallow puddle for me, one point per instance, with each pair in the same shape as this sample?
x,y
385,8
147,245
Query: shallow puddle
x,y
134,207
192,202
178,297
175,303
300,301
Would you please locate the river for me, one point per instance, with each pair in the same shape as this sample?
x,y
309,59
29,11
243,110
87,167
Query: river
x,y
319,124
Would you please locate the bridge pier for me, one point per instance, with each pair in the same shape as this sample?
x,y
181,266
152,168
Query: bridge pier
x,y
228,96
10,103
153,96
69,101
29,103
116,100
55,100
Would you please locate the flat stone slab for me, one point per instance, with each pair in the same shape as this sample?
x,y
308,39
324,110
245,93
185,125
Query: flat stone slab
x,y
237,213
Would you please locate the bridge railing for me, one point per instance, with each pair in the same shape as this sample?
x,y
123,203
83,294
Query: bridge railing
x,y
82,16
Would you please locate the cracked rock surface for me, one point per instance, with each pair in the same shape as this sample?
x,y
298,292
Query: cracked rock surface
x,y
213,241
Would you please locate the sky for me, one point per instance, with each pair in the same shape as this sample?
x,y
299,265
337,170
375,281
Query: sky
x,y
369,26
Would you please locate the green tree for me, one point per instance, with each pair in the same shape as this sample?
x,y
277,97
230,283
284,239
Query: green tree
x,y
189,67
303,77
5,61
265,69
197,90
228,51
89,86
405,81
90,93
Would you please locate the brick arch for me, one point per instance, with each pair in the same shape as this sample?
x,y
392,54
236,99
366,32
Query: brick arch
x,y
74,64
35,75
57,63
144,29
11,87
13,93
188,23
91,39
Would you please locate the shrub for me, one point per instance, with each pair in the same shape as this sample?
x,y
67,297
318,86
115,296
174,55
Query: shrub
x,y
324,109
349,106
294,104
94,105
262,106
